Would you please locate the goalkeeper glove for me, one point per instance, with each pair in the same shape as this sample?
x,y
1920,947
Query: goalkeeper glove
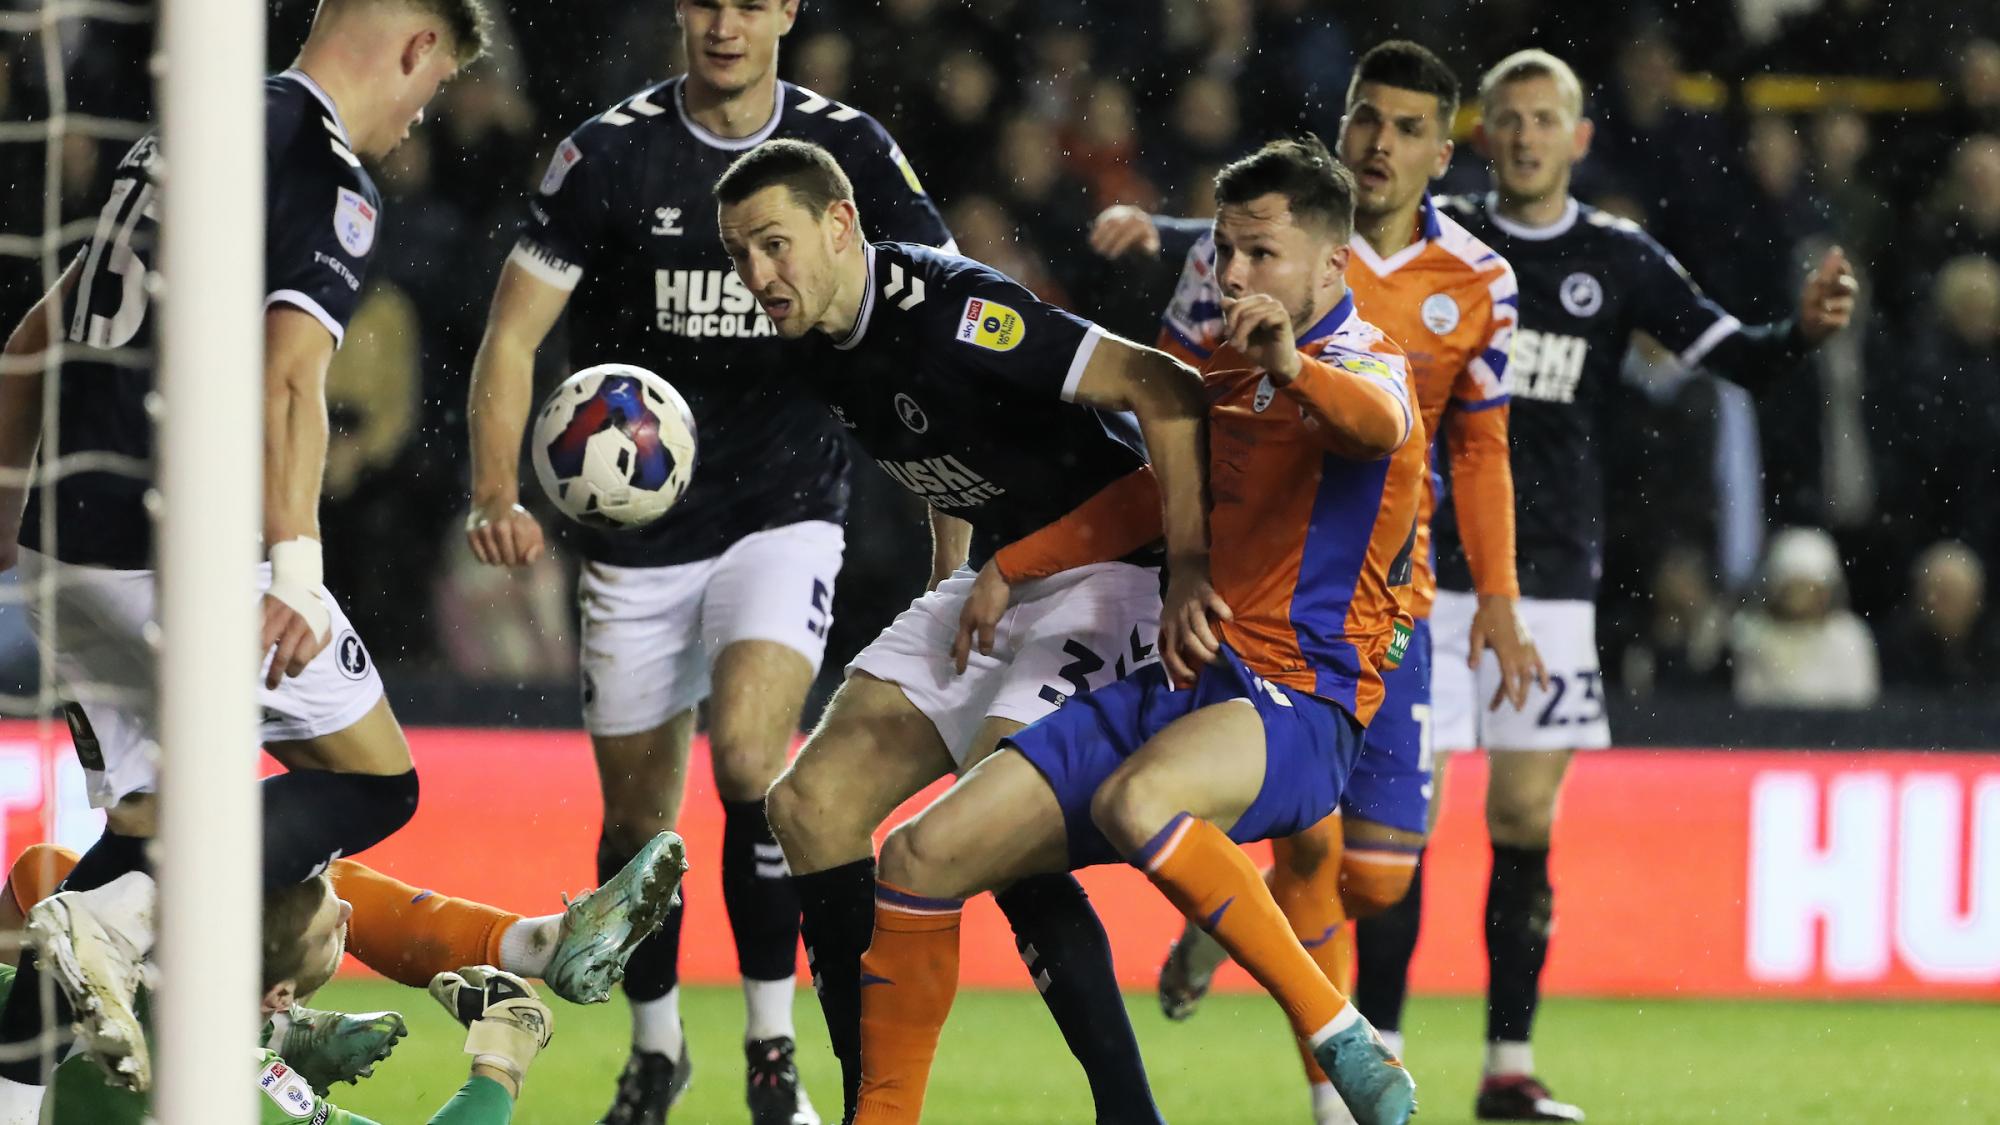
x,y
507,1025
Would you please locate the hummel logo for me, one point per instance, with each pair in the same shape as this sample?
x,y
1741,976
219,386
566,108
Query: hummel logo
x,y
670,220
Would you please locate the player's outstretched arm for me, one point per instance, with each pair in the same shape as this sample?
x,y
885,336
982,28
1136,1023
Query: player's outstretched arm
x,y
21,378
499,530
296,622
1167,397
1482,478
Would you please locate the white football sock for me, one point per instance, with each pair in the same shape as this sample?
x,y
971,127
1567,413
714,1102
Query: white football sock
x,y
1328,1109
767,1008
1392,1040
1509,1058
656,1024
20,1103
1348,1016
527,945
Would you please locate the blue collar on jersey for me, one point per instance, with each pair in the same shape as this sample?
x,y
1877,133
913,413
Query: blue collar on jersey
x,y
325,99
1332,321
1427,219
867,306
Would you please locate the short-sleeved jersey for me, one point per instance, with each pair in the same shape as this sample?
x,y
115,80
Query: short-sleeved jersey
x,y
961,383
1446,299
1312,549
321,215
1587,282
626,219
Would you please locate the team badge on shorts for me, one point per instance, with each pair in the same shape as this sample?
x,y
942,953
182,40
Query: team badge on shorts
x,y
1581,294
351,655
1440,313
353,222
990,325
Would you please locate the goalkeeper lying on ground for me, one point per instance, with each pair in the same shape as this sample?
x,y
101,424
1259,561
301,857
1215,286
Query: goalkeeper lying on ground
x,y
304,938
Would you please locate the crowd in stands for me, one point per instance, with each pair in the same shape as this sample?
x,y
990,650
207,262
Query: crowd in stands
x,y
1813,546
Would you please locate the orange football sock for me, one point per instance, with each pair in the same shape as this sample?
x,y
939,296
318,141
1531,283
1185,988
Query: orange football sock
x,y
37,873
909,977
411,935
1309,894
1205,875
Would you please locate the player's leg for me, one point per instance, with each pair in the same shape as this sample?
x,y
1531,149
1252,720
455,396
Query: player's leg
x,y
873,750
999,823
643,674
765,616
1173,809
1529,754
1385,942
1082,631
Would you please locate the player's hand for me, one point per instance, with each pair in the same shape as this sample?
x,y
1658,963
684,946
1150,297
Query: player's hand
x,y
1124,229
1188,641
1827,303
506,1024
991,594
1258,326
502,533
1497,626
289,638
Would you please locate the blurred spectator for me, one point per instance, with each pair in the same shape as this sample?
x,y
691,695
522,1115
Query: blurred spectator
x,y
985,232
1649,145
1103,148
499,624
1855,205
1941,638
1975,93
1962,217
1938,422
1803,647
822,64
1684,644
1204,132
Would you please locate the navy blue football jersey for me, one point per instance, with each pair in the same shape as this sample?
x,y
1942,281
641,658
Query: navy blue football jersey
x,y
1587,283
626,218
321,214
960,384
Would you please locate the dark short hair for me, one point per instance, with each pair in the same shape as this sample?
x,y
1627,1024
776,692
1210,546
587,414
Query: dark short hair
x,y
1408,66
1317,187
808,171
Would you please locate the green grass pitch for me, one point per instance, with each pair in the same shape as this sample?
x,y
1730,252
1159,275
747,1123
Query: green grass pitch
x,y
1002,1063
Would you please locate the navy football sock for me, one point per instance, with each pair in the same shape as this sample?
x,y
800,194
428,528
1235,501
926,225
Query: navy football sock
x,y
313,817
757,892
837,918
1068,956
1383,946
1520,907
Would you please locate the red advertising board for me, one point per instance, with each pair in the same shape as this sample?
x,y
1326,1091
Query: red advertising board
x,y
1720,873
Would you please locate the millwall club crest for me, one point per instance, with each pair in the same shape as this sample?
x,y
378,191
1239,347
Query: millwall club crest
x,y
1581,294
911,414
1265,393
353,222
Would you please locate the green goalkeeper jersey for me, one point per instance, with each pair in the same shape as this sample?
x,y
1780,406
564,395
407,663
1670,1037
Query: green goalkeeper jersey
x,y
80,1095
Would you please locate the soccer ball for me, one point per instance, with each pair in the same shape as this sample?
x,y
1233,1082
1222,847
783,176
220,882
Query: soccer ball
x,y
614,446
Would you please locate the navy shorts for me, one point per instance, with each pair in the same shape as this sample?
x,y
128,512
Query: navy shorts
x,y
1310,745
1391,783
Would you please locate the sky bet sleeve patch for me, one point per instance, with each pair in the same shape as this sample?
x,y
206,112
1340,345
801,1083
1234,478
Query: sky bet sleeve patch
x,y
990,325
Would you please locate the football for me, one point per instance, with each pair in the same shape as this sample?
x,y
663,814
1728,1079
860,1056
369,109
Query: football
x,y
614,446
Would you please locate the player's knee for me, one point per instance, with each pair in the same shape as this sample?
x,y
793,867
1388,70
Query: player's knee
x,y
745,768
1302,855
1520,820
1128,809
918,859
807,818
1368,888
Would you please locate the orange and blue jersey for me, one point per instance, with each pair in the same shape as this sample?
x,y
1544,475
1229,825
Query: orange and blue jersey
x,y
1451,304
1315,487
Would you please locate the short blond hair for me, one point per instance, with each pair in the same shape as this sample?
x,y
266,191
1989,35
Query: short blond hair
x,y
1532,63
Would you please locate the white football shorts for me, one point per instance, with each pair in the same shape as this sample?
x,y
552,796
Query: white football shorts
x,y
650,634
1062,636
105,664
1569,715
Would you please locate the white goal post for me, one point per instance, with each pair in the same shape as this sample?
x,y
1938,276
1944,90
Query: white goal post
x,y
210,474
